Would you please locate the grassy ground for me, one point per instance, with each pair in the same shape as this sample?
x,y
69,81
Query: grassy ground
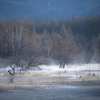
x,y
33,93
50,85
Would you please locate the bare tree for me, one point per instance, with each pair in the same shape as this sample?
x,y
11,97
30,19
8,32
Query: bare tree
x,y
14,31
96,48
45,42
31,50
64,46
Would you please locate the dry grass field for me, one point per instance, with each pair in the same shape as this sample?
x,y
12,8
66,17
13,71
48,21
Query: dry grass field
x,y
80,82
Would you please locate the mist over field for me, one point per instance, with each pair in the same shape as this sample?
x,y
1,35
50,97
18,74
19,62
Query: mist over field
x,y
64,31
33,42
50,49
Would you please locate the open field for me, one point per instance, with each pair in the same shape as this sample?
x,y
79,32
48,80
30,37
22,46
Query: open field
x,y
75,82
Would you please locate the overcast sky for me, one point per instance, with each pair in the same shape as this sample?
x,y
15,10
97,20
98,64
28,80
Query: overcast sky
x,y
47,8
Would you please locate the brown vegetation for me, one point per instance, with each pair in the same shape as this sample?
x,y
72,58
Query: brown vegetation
x,y
65,41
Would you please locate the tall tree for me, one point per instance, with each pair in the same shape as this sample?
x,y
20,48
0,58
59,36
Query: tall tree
x,y
64,46
14,32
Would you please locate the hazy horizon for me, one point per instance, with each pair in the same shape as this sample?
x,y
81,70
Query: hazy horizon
x,y
47,8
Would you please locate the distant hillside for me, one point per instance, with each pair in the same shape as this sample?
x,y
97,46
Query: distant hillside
x,y
47,8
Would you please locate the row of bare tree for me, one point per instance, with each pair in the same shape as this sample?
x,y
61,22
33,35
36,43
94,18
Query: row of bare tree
x,y
74,40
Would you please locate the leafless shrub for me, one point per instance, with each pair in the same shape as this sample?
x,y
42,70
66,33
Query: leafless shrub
x,y
12,71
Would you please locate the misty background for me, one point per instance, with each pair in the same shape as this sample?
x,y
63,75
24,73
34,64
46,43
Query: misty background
x,y
47,8
46,31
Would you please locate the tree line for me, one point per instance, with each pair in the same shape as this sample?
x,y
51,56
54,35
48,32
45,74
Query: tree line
x,y
38,41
